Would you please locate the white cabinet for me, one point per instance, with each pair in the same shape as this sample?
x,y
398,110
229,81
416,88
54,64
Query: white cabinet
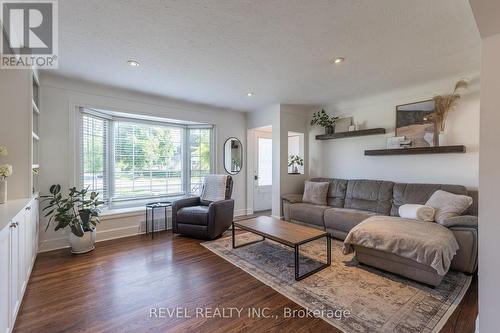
x,y
15,265
5,315
18,247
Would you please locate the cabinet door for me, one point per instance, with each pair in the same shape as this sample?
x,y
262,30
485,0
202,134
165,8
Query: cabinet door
x,y
28,244
5,317
22,251
34,228
15,259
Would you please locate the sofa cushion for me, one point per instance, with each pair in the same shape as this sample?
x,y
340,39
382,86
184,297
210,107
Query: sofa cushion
x,y
315,192
308,213
193,215
344,219
427,243
336,190
371,195
419,193
448,205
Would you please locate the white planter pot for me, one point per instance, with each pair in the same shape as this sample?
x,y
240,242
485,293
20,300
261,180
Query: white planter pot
x,y
82,244
3,191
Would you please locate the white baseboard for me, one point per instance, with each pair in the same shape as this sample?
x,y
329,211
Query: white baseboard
x,y
53,244
102,235
109,234
243,212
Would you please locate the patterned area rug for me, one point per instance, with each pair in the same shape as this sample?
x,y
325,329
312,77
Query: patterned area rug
x,y
372,300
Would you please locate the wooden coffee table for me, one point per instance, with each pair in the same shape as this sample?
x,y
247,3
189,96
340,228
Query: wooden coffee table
x,y
286,233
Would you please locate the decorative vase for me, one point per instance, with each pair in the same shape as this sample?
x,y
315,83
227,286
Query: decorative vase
x,y
295,169
83,244
442,139
329,129
3,191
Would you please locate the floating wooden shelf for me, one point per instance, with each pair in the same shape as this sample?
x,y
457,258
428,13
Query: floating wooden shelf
x,y
372,131
417,151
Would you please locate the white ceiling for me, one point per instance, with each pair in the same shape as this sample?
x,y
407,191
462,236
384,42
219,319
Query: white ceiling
x,y
487,16
215,51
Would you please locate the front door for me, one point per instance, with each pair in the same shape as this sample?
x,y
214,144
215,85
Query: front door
x,y
263,171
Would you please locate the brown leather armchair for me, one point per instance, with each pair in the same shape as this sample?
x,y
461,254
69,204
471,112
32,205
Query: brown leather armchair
x,y
197,218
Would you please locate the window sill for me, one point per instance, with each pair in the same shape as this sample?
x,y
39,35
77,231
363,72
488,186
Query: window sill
x,y
111,214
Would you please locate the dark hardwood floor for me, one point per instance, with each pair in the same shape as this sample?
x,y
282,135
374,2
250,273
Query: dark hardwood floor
x,y
113,288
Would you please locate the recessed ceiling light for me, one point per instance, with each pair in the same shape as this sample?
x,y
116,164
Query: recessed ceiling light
x,y
338,60
250,94
133,63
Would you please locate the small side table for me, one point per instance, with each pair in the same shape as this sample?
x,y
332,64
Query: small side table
x,y
153,206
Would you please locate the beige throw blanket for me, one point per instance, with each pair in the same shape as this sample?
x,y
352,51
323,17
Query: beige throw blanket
x,y
214,188
427,243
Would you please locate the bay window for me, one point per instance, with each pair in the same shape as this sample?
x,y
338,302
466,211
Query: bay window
x,y
131,161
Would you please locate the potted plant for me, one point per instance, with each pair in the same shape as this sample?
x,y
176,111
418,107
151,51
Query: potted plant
x,y
78,211
236,164
5,172
321,118
294,161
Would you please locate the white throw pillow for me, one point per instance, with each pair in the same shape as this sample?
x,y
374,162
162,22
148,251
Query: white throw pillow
x,y
417,212
448,204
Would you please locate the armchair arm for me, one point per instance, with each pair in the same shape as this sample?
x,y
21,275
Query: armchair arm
x,y
179,204
292,198
470,221
220,215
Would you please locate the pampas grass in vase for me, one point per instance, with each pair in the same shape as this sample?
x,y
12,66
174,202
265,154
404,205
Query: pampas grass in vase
x,y
443,105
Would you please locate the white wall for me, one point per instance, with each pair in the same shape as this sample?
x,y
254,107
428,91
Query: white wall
x,y
283,118
344,158
15,129
489,184
268,116
58,95
293,118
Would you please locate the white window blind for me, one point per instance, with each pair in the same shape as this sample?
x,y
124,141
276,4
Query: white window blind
x,y
132,160
200,143
93,154
147,160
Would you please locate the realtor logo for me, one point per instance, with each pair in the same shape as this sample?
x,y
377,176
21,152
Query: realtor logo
x,y
30,34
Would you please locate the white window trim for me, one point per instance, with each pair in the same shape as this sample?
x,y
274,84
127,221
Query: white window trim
x,y
75,125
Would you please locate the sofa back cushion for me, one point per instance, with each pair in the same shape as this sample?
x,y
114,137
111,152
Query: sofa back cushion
x,y
336,191
404,193
370,195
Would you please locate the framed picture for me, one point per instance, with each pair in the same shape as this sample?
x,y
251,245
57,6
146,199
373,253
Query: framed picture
x,y
412,123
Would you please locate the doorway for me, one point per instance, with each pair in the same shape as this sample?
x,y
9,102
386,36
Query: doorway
x,y
262,169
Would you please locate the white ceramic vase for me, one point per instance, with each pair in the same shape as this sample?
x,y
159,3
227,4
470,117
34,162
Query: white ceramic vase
x,y
443,139
83,244
3,191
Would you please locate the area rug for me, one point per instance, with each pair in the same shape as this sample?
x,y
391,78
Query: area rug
x,y
347,295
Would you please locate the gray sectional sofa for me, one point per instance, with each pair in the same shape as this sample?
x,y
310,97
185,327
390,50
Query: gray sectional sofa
x,y
349,202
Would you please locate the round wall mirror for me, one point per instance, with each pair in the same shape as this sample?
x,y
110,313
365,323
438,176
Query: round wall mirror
x,y
233,156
